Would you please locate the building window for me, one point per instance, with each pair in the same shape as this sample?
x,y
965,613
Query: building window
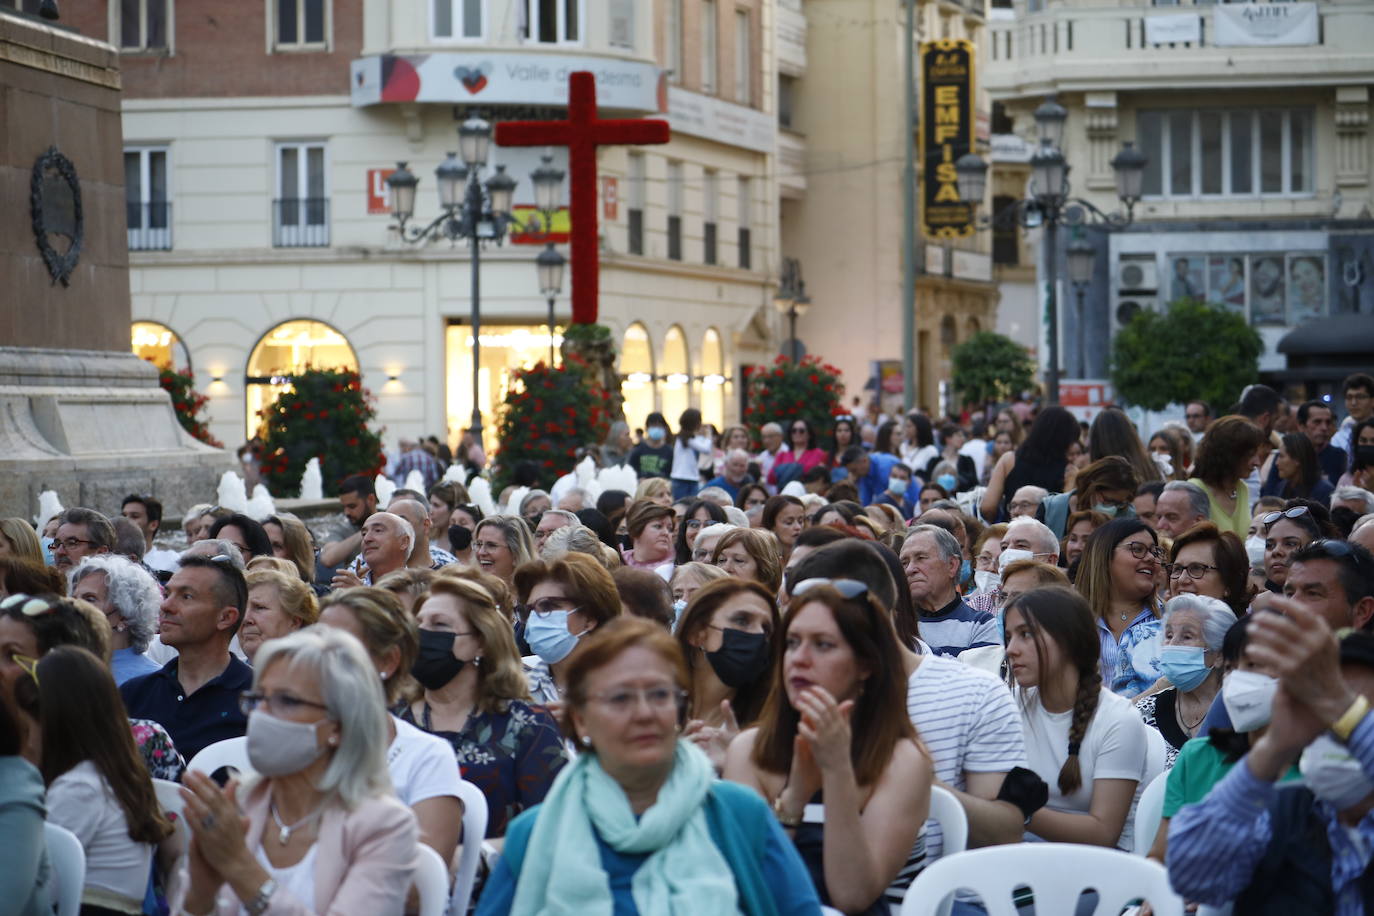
x,y
552,22
709,205
1006,244
301,217
675,211
145,198
712,379
285,351
635,210
637,375
1227,153
675,373
709,61
744,58
672,38
744,200
787,88
300,23
142,24
458,20
159,345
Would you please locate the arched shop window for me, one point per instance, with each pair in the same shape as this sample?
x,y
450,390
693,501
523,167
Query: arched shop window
x,y
712,379
676,376
160,345
637,375
282,352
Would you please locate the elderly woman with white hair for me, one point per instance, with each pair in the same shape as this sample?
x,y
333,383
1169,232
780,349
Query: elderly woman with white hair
x,y
129,598
1190,660
324,831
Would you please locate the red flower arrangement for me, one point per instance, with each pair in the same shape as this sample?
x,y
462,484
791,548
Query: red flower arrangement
x,y
187,402
809,389
323,414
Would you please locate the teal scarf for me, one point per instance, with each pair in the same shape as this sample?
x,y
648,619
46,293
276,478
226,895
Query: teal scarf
x,y
684,874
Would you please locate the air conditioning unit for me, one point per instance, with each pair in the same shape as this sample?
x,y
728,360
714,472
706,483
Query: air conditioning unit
x,y
1127,307
1137,275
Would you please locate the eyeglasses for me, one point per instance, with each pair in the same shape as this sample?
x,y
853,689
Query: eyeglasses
x,y
1141,551
281,705
546,606
1195,416
488,545
67,543
28,663
28,606
849,588
1270,517
625,700
1194,570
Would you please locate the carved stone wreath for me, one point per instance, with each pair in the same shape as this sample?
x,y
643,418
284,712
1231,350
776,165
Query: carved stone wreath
x,y
55,204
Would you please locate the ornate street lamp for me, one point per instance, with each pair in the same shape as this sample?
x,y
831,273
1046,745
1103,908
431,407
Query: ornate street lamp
x,y
550,264
791,300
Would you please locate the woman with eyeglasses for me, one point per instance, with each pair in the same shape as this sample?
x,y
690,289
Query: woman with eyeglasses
x,y
500,543
477,699
561,602
1228,452
1083,740
325,832
1205,561
801,450
1116,575
639,823
699,514
844,773
1194,627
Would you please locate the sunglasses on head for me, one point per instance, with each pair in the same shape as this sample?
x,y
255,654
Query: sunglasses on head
x,y
1296,512
849,588
28,605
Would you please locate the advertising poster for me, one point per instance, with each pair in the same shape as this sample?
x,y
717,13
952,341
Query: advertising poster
x,y
946,134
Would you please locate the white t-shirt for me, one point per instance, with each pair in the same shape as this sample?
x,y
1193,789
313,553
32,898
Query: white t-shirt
x,y
160,558
82,801
686,455
422,765
1113,748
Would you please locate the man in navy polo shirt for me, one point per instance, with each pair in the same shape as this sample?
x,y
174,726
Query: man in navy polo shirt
x,y
195,696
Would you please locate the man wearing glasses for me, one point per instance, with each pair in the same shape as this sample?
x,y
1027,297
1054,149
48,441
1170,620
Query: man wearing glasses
x,y
1197,414
82,533
195,696
1358,390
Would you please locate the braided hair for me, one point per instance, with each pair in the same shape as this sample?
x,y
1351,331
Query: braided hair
x,y
1062,614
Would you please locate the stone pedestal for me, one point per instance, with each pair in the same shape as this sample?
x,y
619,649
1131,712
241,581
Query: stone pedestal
x,y
79,413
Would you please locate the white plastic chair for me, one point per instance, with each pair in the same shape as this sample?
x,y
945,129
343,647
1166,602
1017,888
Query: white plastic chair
x,y
1149,811
474,829
431,880
946,810
169,799
68,861
231,752
1056,873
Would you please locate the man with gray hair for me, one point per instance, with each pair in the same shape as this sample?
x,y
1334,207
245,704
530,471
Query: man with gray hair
x,y
80,534
387,542
1180,506
931,558
717,495
551,521
1356,499
575,499
1026,500
128,596
1029,534
423,554
771,435
733,474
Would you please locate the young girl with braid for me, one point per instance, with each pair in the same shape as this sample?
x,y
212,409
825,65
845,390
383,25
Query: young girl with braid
x,y
1086,742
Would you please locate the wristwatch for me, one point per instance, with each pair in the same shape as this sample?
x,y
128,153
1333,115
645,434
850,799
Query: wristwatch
x,y
258,905
1353,716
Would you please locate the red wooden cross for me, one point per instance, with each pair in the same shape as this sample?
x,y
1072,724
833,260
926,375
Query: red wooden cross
x,y
582,133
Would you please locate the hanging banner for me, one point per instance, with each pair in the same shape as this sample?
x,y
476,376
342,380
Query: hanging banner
x,y
1173,28
1264,24
946,134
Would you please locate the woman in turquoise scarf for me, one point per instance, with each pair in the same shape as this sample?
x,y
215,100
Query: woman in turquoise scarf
x,y
639,824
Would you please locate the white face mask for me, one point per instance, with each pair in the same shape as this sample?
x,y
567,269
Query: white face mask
x,y
1333,774
1009,556
1249,699
986,580
1254,549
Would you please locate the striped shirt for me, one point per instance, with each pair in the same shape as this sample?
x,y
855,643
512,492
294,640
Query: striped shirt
x,y
969,723
956,627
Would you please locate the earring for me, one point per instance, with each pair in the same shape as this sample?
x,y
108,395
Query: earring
x,y
586,741
333,740
386,674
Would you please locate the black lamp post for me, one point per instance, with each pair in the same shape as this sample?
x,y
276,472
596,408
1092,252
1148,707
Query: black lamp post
x,y
1049,205
550,264
474,212
791,300
1080,259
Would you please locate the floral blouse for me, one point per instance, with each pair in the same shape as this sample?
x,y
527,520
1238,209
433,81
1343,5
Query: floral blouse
x,y
157,749
512,757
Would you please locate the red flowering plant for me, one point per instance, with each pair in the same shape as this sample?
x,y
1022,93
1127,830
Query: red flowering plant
x,y
809,389
187,402
550,413
323,414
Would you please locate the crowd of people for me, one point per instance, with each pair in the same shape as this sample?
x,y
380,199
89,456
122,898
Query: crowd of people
x,y
734,689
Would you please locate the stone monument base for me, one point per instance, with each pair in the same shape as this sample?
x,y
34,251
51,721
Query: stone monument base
x,y
94,426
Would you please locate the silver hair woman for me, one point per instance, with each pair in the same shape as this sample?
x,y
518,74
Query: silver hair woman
x,y
325,831
129,598
1190,660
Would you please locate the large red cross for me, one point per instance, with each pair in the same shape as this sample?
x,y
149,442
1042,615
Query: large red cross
x,y
582,133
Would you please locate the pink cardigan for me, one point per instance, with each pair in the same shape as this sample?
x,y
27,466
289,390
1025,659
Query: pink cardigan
x,y
364,863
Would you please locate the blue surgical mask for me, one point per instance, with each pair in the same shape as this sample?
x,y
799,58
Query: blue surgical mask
x,y
948,482
896,485
679,606
655,433
965,571
548,636
48,559
1184,666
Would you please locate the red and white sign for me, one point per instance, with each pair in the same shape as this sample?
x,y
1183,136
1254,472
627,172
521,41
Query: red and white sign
x,y
610,198
1085,398
378,194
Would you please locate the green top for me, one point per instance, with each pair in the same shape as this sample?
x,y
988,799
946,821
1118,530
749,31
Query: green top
x,y
1238,522
1199,766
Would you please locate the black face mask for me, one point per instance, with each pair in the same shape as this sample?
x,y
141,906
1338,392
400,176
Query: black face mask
x,y
741,659
1364,455
459,537
625,541
435,666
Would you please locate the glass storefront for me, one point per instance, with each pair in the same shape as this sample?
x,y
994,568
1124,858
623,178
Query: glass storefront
x,y
160,345
505,348
289,348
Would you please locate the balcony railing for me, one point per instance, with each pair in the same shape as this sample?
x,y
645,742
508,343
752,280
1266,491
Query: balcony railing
x,y
150,225
300,222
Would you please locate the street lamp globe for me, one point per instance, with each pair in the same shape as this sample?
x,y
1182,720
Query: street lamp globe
x,y
1129,168
1080,258
802,303
402,183
1049,172
1049,122
474,141
500,190
972,173
548,185
550,266
451,175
